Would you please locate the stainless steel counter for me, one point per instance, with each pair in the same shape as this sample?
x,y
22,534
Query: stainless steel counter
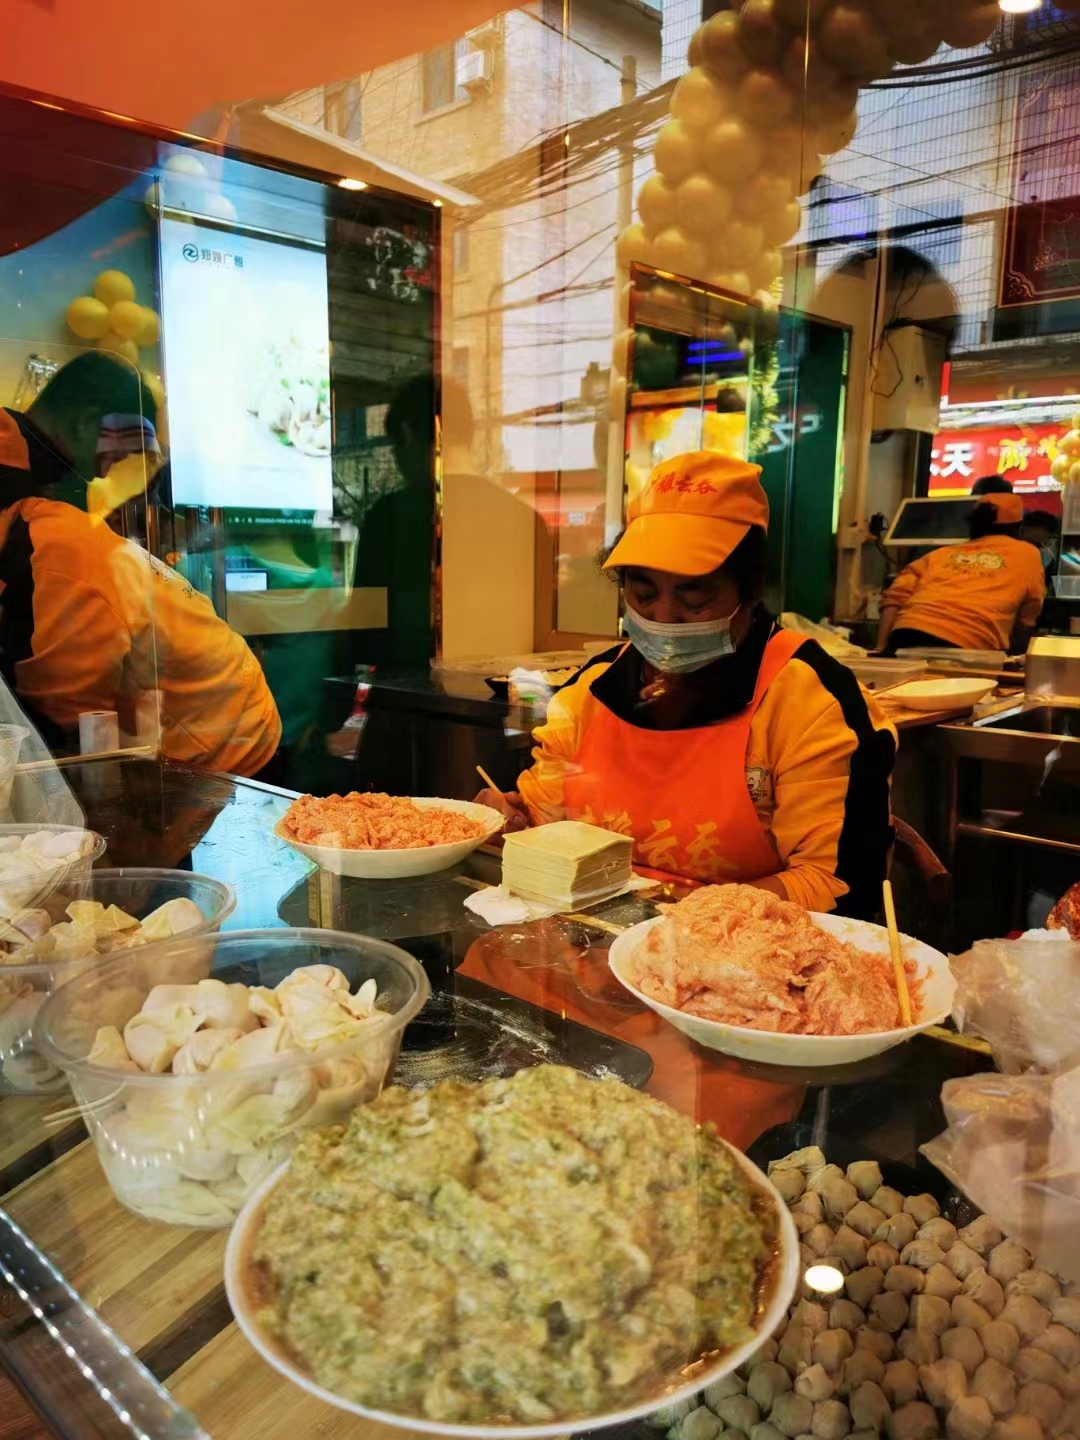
x,y
1013,786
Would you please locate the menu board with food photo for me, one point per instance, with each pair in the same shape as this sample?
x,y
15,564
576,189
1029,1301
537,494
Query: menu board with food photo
x,y
247,351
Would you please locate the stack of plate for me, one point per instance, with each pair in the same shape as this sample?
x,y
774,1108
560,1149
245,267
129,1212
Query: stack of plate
x,y
566,864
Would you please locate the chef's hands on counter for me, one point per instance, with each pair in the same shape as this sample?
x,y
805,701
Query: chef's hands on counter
x,y
511,805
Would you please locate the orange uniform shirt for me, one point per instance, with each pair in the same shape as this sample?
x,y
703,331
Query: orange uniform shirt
x,y
816,766
972,595
99,622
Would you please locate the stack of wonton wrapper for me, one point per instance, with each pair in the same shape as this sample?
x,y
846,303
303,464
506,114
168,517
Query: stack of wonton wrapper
x,y
566,864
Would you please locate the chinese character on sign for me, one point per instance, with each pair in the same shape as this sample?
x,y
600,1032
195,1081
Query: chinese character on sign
x,y
1050,447
217,257
957,457
238,261
205,254
1013,455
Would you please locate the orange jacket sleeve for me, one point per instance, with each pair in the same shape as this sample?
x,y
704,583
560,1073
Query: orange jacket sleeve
x,y
830,752
63,679
557,743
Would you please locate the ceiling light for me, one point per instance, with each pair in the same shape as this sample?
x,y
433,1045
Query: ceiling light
x,y
1019,7
348,183
824,1278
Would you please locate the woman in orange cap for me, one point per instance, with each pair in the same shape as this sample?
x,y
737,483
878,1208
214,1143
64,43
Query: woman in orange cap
x,y
983,595
729,748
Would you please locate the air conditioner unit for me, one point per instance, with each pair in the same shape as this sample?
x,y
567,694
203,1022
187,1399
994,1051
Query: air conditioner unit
x,y
481,36
907,386
472,70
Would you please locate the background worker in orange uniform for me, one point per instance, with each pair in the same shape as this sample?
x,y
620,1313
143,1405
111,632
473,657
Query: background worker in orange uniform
x,y
729,748
90,621
983,595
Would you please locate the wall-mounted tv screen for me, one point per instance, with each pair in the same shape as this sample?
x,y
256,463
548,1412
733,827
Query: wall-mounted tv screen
x,y
247,357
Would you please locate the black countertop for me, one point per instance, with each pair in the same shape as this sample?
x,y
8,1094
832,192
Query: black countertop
x,y
457,696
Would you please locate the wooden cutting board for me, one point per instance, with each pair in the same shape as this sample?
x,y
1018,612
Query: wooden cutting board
x,y
145,1280
234,1392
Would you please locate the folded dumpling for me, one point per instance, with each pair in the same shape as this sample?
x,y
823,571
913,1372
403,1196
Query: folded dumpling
x,y
224,1007
198,1053
109,1049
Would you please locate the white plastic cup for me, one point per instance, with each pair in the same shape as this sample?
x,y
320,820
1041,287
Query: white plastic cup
x,y
99,731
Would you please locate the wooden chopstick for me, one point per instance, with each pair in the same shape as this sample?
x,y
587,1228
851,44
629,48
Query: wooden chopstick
x,y
489,782
899,973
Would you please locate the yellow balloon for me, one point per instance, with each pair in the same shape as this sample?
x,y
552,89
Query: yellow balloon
x,y
699,100
112,286
1070,443
732,150
126,318
1073,477
675,151
702,205
1059,469
674,250
88,318
154,384
119,345
656,204
150,329
737,245
633,244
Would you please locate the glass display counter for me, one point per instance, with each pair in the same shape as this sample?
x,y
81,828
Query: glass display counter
x,y
111,1325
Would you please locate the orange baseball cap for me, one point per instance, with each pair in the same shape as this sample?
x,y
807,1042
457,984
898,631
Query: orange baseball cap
x,y
691,515
1010,508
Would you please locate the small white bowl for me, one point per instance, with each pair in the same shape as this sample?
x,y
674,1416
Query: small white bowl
x,y
767,1047
956,693
683,1386
399,864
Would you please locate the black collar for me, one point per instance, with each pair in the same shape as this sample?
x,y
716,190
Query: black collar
x,y
720,690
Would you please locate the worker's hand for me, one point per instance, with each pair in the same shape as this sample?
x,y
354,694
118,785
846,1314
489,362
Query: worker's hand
x,y
511,805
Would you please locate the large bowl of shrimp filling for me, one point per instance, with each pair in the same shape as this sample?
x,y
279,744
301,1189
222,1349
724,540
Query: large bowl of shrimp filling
x,y
386,837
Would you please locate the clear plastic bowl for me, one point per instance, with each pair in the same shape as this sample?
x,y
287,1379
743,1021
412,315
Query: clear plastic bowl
x,y
189,1149
23,988
23,892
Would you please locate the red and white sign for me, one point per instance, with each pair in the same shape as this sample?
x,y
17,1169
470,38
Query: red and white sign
x,y
1022,453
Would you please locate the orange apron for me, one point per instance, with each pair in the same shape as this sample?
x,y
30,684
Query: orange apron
x,y
681,794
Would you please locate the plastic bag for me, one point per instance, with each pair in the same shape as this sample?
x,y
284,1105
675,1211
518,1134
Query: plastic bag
x,y
1023,997
1013,1139
834,641
1013,1147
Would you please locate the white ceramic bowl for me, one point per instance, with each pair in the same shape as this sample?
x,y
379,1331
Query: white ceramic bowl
x,y
957,693
398,864
798,1051
786,1275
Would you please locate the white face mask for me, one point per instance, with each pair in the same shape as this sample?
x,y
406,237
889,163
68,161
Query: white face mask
x,y
680,649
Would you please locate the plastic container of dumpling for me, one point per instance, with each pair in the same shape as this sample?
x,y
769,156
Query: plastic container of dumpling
x,y
188,1149
35,859
171,902
11,739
